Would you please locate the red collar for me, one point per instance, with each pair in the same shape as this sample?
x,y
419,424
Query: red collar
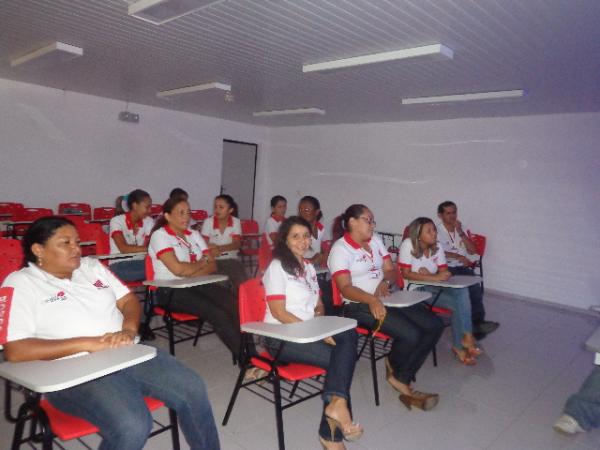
x,y
277,219
129,222
319,226
170,231
216,222
351,241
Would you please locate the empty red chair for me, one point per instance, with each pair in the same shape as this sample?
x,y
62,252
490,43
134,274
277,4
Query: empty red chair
x,y
480,243
199,215
90,232
74,208
265,255
250,240
155,210
104,213
11,257
28,215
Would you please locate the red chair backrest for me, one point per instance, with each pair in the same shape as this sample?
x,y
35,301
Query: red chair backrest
x,y
405,233
5,299
249,226
326,246
265,255
479,240
399,277
11,257
10,208
104,212
78,221
149,269
335,294
75,208
32,213
252,303
91,232
155,209
199,214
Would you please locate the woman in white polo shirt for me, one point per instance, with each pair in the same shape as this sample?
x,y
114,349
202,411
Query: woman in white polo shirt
x,y
178,252
278,210
130,233
423,259
363,271
292,295
61,305
223,233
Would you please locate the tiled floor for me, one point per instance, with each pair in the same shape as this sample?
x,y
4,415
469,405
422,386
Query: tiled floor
x,y
508,401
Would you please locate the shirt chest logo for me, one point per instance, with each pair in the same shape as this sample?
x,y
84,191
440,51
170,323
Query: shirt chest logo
x,y
100,285
59,297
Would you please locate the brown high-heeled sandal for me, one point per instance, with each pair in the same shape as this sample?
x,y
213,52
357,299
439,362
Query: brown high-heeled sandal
x,y
328,445
464,357
420,400
353,433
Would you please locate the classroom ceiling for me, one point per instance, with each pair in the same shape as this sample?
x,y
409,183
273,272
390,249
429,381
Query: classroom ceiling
x,y
549,48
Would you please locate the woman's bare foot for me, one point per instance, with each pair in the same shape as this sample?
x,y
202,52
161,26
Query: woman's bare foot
x,y
338,416
395,382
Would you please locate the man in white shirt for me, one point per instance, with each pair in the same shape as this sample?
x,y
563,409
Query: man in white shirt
x,y
460,253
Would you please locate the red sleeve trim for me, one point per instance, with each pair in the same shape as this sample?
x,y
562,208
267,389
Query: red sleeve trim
x,y
6,294
387,257
206,251
205,237
340,272
443,266
271,298
236,236
408,266
164,250
114,233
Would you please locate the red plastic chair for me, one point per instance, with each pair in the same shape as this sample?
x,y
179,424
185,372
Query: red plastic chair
x,y
104,213
28,215
265,255
90,232
175,322
155,210
480,243
199,215
252,306
48,422
11,257
74,208
378,343
8,210
250,244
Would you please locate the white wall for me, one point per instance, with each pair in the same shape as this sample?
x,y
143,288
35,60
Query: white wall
x,y
63,146
531,184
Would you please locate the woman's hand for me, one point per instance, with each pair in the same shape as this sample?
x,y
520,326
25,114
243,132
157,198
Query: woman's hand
x,y
329,340
382,290
442,276
214,250
118,339
424,271
377,309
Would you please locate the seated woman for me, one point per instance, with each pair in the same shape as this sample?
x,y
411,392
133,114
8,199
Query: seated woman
x,y
278,210
129,233
223,232
178,252
63,304
292,295
363,272
422,259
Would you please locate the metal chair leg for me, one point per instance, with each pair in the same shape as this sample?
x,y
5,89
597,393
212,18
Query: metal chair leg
x,y
278,412
374,370
174,429
236,390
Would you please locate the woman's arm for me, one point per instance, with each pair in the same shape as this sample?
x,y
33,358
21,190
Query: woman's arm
x,y
205,266
344,284
442,275
278,311
124,247
32,349
235,245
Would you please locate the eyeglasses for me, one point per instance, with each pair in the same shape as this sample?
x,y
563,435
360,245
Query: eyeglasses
x,y
369,220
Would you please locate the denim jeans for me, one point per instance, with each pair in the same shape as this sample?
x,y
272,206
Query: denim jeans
x,y
132,270
339,361
415,330
115,404
584,406
456,300
475,294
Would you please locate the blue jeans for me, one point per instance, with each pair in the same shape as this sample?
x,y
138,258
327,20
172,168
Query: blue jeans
x,y
115,404
475,294
584,406
339,361
132,270
456,300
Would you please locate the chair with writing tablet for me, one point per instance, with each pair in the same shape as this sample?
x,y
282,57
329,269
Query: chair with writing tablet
x,y
38,377
299,381
480,243
104,213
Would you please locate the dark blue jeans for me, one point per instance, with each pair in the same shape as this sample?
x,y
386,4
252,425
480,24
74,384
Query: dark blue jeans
x,y
115,404
475,294
339,361
415,330
132,270
584,406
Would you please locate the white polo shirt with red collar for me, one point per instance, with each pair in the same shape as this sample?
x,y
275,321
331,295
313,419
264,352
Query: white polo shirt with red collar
x,y
123,225
365,268
315,246
272,226
45,307
433,263
165,240
212,234
452,242
300,292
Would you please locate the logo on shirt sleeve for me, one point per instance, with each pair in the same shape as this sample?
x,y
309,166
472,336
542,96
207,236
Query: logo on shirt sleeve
x,y
100,285
59,297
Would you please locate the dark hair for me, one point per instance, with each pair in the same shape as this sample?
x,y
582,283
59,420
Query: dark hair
x,y
414,231
230,201
282,252
119,205
178,192
39,232
167,207
276,199
314,202
445,205
136,196
340,225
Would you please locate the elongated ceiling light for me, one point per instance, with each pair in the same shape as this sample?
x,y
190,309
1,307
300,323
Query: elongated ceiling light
x,y
287,112
196,88
464,97
55,52
435,51
163,11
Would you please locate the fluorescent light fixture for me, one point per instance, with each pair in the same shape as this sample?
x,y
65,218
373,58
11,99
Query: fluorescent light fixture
x,y
433,50
196,88
288,112
163,11
464,97
55,52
